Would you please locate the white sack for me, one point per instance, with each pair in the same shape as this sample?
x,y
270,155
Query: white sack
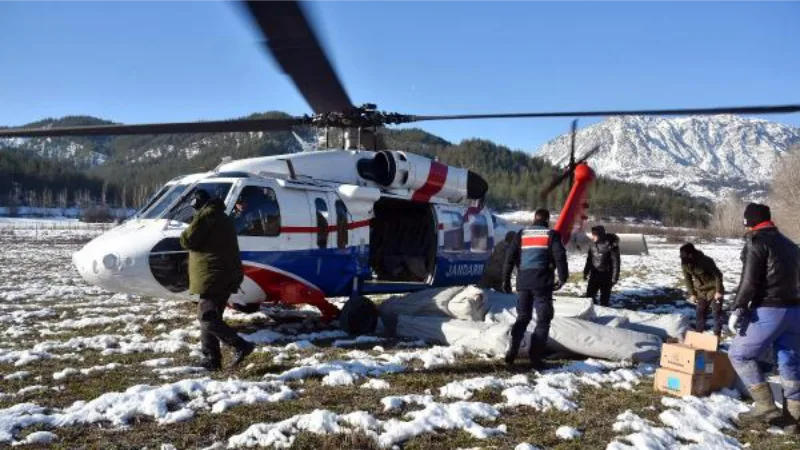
x,y
458,302
503,307
566,335
483,337
611,321
663,325
597,341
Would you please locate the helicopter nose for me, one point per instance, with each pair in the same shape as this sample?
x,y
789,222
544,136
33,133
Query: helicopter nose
x,y
118,261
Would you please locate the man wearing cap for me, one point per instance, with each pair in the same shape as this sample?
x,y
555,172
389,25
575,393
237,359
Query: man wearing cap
x,y
703,281
537,252
602,264
215,272
766,315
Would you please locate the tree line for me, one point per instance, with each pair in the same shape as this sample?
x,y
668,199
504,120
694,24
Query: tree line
x,y
138,165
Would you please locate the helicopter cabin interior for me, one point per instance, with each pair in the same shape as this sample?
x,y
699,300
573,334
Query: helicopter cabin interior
x,y
402,240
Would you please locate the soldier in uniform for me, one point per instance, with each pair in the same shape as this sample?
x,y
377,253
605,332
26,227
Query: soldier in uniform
x,y
493,274
703,281
602,264
536,252
215,272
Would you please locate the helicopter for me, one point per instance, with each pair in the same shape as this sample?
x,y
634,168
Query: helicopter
x,y
344,222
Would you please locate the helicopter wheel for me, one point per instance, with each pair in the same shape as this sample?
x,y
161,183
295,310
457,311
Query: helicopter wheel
x,y
359,316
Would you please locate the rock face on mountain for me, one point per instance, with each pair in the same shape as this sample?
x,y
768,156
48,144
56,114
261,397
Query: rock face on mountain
x,y
705,156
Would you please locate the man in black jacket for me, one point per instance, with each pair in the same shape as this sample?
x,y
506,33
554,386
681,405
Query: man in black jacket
x,y
493,273
537,251
767,315
602,264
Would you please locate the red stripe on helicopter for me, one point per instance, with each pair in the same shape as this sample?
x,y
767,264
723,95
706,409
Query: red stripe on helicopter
x,y
286,288
331,228
437,176
535,241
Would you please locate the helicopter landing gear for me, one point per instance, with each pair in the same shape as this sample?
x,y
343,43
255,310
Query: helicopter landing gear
x,y
359,316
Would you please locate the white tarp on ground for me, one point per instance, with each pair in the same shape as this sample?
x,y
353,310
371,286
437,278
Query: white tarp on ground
x,y
566,335
503,307
458,302
662,325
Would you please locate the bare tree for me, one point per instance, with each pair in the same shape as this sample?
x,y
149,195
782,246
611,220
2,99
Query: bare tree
x,y
784,195
727,218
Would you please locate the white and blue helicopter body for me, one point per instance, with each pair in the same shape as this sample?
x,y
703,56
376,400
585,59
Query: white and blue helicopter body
x,y
322,224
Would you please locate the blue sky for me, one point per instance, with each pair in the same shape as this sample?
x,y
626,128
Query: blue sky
x,y
158,61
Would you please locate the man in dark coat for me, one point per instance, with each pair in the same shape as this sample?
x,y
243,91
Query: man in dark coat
x,y
537,252
215,272
703,282
766,315
493,273
602,265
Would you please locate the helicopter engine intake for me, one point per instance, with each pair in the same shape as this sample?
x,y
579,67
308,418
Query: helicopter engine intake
x,y
425,177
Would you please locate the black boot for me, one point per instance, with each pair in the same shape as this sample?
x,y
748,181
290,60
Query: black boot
x,y
242,352
211,364
792,425
511,354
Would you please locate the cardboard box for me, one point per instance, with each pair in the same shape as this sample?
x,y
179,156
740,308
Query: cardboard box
x,y
681,384
682,358
723,375
701,341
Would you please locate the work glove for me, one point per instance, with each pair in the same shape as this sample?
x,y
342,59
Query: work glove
x,y
585,276
736,319
558,285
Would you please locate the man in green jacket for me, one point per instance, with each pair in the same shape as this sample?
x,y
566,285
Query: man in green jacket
x,y
704,282
215,272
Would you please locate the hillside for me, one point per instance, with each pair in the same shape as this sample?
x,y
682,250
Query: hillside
x,y
705,156
134,166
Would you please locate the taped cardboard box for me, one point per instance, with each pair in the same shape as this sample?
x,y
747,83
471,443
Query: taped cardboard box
x,y
701,341
723,375
681,384
682,358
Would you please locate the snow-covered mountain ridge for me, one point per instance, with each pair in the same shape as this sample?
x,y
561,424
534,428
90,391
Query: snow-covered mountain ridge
x,y
705,156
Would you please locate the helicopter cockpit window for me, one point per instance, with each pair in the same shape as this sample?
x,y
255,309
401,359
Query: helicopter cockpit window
x,y
256,212
341,224
183,211
166,199
154,198
322,222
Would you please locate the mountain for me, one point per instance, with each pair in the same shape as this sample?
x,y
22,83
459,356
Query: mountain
x,y
704,156
125,170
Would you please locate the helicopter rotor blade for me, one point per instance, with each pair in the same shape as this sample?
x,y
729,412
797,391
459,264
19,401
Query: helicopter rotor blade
x,y
291,40
219,126
588,155
567,173
572,135
779,109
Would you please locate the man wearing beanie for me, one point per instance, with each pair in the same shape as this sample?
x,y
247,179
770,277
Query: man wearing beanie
x,y
602,264
766,314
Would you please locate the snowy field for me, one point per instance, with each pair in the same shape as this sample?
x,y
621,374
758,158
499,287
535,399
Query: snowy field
x,y
85,368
